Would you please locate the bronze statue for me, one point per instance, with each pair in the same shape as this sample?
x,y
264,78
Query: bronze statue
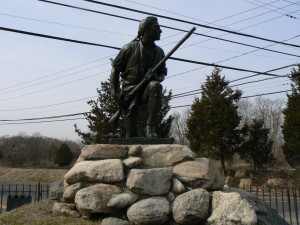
x,y
141,65
134,63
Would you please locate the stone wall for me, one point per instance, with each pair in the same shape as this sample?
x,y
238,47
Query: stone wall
x,y
155,184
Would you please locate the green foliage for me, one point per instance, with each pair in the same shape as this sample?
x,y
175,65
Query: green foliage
x,y
100,131
291,125
63,156
212,127
256,147
102,109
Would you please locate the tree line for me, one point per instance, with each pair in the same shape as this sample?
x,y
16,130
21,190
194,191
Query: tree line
x,y
37,151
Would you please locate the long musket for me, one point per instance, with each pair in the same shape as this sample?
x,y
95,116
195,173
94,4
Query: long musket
x,y
128,98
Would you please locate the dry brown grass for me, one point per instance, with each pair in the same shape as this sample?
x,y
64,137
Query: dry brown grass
x,y
39,213
31,175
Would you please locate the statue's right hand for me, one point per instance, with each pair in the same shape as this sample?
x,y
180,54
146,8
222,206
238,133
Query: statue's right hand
x,y
150,75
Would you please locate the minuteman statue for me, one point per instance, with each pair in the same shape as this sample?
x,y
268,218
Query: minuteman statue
x,y
133,64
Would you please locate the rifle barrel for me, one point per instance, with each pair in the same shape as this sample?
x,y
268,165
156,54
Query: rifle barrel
x,y
173,49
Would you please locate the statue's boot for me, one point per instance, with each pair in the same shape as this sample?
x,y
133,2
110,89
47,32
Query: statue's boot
x,y
154,106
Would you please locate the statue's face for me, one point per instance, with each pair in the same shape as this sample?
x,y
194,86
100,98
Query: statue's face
x,y
155,31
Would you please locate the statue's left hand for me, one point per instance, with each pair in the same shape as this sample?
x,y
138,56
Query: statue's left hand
x,y
160,77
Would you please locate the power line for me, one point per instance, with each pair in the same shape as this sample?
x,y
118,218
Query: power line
x,y
280,68
265,86
291,2
224,67
131,19
46,121
276,8
224,60
68,25
54,86
56,38
117,48
242,53
218,21
233,42
244,12
48,117
16,85
82,113
197,91
250,96
271,93
188,22
199,19
57,78
259,15
63,24
45,106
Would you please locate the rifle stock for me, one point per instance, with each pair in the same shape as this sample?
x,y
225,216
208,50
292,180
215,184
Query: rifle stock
x,y
114,119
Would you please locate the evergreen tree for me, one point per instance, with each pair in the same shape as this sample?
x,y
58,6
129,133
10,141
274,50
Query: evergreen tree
x,y
291,125
63,156
212,127
256,147
100,131
102,109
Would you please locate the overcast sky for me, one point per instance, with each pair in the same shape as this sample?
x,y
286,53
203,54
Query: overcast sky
x,y
43,77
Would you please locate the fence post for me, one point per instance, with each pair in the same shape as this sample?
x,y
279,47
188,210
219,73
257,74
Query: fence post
x,y
36,188
296,205
47,191
270,197
289,205
276,201
282,190
39,191
1,198
29,190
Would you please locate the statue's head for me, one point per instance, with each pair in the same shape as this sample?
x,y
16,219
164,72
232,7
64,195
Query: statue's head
x,y
149,24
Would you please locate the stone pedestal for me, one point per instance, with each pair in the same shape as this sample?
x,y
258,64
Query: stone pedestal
x,y
150,184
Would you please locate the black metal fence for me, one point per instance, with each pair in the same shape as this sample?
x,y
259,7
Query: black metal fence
x,y
15,195
285,200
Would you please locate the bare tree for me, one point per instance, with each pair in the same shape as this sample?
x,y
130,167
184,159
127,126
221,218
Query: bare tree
x,y
268,110
245,109
271,112
178,127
